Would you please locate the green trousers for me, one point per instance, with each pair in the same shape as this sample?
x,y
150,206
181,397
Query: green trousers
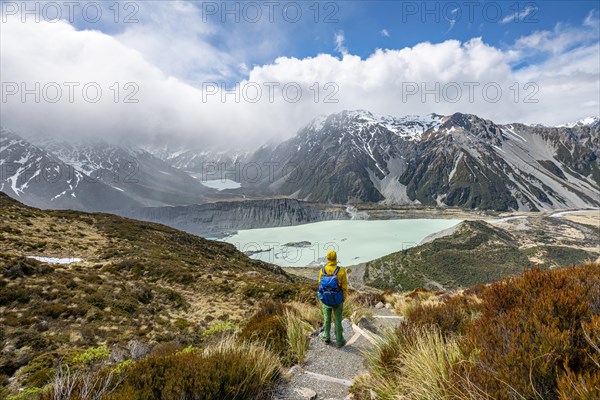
x,y
337,318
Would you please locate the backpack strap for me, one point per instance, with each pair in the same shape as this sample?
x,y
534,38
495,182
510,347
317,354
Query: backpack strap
x,y
336,271
324,272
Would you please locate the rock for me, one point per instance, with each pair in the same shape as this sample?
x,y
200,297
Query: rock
x,y
9,348
253,252
295,369
346,324
379,305
304,243
252,274
306,393
216,218
388,306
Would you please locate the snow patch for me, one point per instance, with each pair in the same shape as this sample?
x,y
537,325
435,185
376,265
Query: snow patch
x,y
54,260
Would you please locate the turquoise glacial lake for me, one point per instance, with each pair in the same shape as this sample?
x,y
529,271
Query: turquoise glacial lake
x,y
356,241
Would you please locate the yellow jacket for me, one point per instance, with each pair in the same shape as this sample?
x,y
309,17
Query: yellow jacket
x,y
342,276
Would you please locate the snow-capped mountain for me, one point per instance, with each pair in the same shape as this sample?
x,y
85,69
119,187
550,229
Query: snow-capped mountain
x,y
94,175
589,121
351,156
39,178
457,160
128,168
195,161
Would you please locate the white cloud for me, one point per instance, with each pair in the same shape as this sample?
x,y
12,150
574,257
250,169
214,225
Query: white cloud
x,y
520,16
592,20
452,21
169,107
561,39
384,33
340,40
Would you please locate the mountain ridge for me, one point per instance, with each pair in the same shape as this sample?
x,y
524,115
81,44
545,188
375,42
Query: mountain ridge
x,y
92,175
458,160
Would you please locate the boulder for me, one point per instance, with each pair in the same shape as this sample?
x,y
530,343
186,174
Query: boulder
x,y
306,393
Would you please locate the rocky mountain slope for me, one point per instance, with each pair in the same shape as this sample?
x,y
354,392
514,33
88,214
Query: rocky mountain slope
x,y
92,175
41,179
458,160
214,219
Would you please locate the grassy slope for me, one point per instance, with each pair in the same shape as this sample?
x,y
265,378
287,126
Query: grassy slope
x,y
137,280
476,253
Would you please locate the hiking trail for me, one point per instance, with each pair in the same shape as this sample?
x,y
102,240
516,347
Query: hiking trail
x,y
328,371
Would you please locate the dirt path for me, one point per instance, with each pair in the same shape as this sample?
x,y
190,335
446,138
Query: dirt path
x,y
328,371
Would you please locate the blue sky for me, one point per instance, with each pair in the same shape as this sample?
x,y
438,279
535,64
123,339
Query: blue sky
x,y
365,25
542,57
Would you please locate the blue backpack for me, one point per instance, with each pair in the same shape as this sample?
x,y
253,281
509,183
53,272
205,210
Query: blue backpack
x,y
330,292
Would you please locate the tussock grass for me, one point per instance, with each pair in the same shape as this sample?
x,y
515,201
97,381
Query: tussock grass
x,y
403,305
310,313
354,310
297,331
229,369
266,365
412,363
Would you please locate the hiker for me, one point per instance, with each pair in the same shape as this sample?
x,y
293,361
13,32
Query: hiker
x,y
333,291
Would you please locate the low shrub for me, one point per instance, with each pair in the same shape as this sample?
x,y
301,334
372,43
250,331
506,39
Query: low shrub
x,y
453,315
91,356
269,328
535,335
232,369
222,328
369,299
53,310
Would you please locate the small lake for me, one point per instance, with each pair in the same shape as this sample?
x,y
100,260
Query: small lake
x,y
221,184
355,241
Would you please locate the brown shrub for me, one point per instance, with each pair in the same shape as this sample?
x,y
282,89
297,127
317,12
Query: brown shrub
x,y
454,315
229,371
369,299
267,326
268,330
537,334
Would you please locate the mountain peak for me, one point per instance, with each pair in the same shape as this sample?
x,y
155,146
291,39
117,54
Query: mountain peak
x,y
588,121
410,127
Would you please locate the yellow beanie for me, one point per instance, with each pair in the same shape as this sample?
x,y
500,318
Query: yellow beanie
x,y
331,255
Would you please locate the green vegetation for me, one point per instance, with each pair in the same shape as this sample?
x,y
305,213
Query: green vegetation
x,y
227,370
414,365
535,336
140,287
297,331
476,253
562,256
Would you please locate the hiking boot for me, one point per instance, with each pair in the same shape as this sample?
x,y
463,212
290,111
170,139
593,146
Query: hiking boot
x,y
340,345
326,341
